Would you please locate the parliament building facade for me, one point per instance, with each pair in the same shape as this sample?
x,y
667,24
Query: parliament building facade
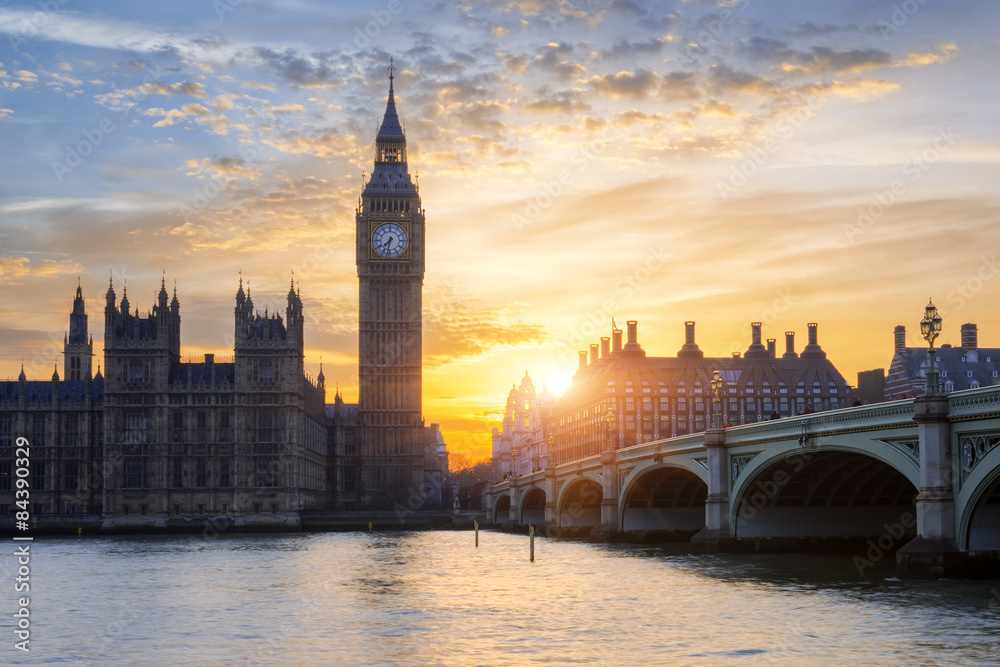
x,y
159,441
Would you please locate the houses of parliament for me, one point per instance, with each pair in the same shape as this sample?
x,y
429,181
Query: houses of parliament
x,y
158,441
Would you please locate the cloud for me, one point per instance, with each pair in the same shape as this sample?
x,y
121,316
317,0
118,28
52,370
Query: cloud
x,y
13,269
567,101
222,166
724,82
550,60
303,71
623,48
945,52
817,59
636,85
189,88
168,116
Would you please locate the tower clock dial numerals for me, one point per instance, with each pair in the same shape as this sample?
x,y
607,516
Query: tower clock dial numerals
x,y
389,240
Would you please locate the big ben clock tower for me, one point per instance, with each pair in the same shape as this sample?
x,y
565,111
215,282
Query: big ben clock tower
x,y
390,258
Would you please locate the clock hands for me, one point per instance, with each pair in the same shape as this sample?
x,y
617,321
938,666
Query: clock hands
x,y
389,241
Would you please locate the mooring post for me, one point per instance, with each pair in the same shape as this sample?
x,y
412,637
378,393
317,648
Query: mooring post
x,y
476,523
531,542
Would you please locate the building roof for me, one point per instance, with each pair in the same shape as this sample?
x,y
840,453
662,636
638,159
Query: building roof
x,y
41,390
953,363
617,371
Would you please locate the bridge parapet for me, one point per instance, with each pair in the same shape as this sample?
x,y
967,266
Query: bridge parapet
x,y
879,415
974,403
681,444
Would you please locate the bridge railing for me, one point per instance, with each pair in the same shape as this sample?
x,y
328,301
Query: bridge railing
x,y
676,445
973,402
883,414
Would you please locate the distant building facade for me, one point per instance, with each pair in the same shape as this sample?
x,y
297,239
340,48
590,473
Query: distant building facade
x,y
651,398
160,441
871,386
521,445
965,367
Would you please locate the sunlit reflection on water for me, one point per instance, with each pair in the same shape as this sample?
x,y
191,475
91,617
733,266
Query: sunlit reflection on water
x,y
433,599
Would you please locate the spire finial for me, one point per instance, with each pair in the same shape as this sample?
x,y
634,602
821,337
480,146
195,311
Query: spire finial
x,y
111,278
392,68
163,280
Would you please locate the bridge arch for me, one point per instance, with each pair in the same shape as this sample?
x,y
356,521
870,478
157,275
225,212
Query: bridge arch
x,y
501,509
580,504
978,504
532,510
663,497
834,491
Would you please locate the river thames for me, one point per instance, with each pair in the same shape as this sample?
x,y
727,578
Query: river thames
x,y
431,598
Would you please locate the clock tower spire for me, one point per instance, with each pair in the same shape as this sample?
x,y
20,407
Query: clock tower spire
x,y
390,260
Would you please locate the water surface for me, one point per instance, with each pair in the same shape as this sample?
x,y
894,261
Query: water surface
x,y
431,598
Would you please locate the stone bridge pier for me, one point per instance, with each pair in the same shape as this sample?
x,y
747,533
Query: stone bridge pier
x,y
934,551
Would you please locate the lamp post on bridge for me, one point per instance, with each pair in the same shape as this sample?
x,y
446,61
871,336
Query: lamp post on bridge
x,y
934,552
716,385
930,329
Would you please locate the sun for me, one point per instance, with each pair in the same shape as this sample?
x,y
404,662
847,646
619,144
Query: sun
x,y
557,383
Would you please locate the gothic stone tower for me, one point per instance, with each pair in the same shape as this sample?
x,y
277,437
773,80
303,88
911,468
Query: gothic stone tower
x,y
78,347
390,258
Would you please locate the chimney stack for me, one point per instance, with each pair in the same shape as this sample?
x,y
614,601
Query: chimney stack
x,y
969,337
755,349
789,345
594,351
899,336
583,359
605,346
690,348
617,340
772,347
632,346
813,350
970,343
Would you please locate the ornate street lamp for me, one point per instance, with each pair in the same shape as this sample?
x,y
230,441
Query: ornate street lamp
x,y
930,329
716,384
610,419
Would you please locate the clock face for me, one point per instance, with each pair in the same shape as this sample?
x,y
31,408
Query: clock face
x,y
389,240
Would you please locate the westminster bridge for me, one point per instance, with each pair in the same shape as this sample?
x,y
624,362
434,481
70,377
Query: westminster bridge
x,y
919,477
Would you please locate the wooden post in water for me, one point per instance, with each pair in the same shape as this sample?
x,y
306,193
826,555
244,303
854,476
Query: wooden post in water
x,y
531,541
476,522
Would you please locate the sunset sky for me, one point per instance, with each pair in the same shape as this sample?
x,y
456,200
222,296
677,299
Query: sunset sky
x,y
716,161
